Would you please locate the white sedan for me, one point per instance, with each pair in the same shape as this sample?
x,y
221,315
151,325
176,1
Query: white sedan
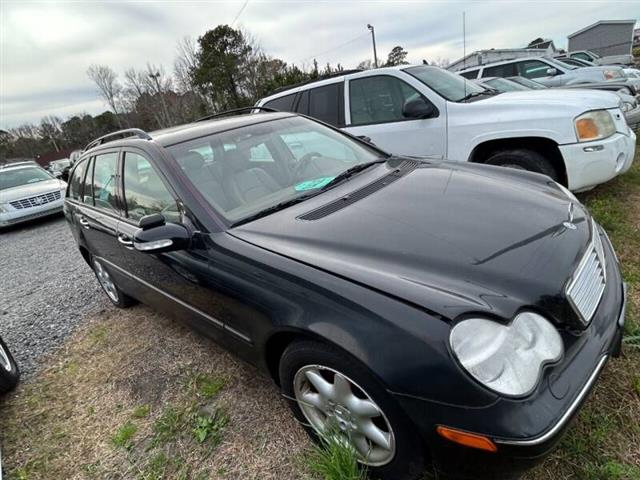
x,y
27,191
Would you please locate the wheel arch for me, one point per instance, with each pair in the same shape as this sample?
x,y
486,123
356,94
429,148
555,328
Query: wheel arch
x,y
85,254
542,145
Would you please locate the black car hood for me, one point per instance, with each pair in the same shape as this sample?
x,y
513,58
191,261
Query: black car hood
x,y
451,238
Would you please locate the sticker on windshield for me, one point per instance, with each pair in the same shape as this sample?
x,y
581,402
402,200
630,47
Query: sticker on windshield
x,y
313,184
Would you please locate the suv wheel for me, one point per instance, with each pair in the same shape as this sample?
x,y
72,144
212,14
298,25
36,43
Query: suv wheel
x,y
524,159
117,297
9,373
331,394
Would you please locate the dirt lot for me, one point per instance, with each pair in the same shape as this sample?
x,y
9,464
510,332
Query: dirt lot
x,y
132,394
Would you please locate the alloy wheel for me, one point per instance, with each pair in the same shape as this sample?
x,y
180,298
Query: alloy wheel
x,y
5,363
334,404
105,280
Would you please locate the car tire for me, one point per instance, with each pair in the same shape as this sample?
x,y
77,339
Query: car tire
x,y
408,459
524,159
117,296
9,372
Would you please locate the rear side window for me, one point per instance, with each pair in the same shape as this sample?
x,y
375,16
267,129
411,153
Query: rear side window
x,y
506,70
144,192
104,181
325,103
75,183
284,104
471,74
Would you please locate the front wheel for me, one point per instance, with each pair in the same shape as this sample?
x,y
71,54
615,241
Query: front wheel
x,y
9,373
524,159
331,394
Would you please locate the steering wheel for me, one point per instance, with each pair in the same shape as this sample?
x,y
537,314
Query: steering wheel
x,y
304,162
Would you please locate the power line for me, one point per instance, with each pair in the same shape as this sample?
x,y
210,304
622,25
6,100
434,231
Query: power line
x,y
334,48
239,12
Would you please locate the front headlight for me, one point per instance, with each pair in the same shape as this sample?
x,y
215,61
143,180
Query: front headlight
x,y
2,209
611,74
506,358
594,125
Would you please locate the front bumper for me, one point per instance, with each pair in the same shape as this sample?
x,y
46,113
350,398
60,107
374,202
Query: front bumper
x,y
591,163
525,430
14,216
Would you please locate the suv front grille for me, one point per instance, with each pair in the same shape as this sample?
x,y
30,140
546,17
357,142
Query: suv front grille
x,y
36,201
589,280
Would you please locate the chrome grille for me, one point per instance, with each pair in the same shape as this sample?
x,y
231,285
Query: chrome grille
x,y
36,201
589,280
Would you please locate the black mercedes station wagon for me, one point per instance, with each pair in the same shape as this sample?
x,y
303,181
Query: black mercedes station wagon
x,y
432,313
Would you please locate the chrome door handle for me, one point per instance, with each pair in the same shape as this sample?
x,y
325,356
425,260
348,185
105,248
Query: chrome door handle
x,y
126,241
84,222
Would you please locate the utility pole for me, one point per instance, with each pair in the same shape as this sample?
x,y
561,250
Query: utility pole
x,y
155,77
373,37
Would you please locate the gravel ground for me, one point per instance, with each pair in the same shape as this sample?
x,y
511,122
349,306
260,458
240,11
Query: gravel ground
x,y
46,289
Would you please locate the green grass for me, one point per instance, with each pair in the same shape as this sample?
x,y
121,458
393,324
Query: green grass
x,y
168,426
334,459
124,435
141,411
209,428
205,385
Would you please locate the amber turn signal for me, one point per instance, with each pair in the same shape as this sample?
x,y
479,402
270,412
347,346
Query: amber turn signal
x,y
587,129
471,440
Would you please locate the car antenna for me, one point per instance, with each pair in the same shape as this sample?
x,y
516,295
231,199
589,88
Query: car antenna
x,y
464,51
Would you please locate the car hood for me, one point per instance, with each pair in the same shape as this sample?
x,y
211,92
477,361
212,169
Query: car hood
x,y
30,190
579,99
450,238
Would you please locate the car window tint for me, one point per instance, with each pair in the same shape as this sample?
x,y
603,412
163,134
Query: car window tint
x,y
284,104
303,143
144,192
471,74
303,104
506,70
87,188
77,178
581,55
379,99
533,69
104,181
324,104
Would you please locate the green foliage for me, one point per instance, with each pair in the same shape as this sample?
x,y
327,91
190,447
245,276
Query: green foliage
x,y
167,426
206,386
397,56
334,459
124,435
141,411
209,428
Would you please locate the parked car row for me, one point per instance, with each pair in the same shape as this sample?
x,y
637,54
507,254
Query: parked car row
x,y
578,138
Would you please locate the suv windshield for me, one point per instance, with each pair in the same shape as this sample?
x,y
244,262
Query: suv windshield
x,y
449,85
504,85
258,168
558,63
22,176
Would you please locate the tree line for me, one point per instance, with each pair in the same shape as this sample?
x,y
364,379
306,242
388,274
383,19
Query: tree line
x,y
223,69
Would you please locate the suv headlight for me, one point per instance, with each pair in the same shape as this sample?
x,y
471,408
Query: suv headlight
x,y
594,125
506,358
2,209
611,74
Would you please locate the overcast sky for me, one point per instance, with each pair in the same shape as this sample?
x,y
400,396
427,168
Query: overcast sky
x,y
46,47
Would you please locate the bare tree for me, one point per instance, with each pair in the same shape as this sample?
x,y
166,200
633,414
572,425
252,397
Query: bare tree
x,y
108,86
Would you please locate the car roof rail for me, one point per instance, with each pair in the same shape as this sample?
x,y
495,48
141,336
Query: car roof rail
x,y
131,131
319,79
236,111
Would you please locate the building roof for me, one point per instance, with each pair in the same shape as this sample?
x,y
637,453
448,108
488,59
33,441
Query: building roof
x,y
602,22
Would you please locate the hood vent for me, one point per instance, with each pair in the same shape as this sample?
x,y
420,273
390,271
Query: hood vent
x,y
400,171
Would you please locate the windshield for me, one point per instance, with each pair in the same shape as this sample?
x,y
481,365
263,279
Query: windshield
x,y
532,84
22,176
244,171
449,85
558,63
504,85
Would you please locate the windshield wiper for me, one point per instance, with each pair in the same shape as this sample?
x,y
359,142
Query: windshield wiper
x,y
351,171
275,208
477,94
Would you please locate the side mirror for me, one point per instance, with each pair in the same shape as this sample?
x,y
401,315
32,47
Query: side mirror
x,y
418,108
552,72
364,138
156,236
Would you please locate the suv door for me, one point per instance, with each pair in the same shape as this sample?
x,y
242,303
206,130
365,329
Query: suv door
x,y
375,110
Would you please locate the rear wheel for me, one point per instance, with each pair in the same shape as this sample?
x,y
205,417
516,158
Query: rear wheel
x,y
9,373
117,297
333,395
524,159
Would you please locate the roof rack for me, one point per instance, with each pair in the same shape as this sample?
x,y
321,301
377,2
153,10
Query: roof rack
x,y
133,131
320,78
235,111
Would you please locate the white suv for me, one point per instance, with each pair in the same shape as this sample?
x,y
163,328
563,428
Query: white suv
x,y
579,138
28,191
